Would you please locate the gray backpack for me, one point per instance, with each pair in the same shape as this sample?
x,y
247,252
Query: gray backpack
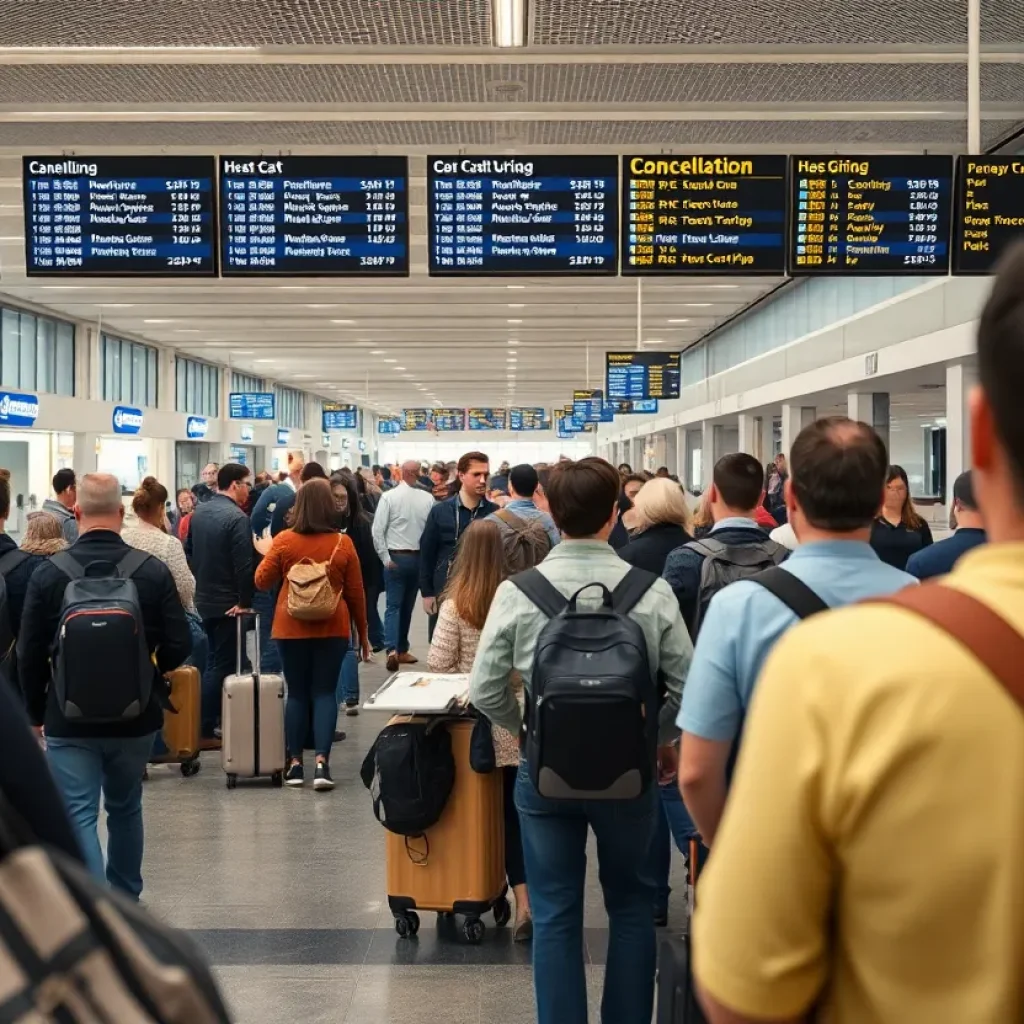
x,y
727,563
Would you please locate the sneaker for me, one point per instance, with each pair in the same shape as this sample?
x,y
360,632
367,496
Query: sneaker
x,y
392,662
407,659
322,779
339,735
377,648
351,708
296,775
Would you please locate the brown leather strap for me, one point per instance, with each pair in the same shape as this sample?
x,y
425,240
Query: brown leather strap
x,y
985,633
511,520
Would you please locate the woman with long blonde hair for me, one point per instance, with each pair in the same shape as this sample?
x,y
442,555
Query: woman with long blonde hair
x,y
661,513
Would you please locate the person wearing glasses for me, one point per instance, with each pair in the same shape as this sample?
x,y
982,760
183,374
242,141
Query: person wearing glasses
x,y
220,551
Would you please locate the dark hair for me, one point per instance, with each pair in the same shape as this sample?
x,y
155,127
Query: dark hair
x,y
312,471
230,473
62,480
523,480
5,493
837,472
625,468
635,478
469,458
963,491
739,480
908,514
355,512
149,496
582,495
544,478
180,491
385,472
375,468
314,508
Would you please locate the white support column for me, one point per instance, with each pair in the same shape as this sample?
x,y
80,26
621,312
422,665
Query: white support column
x,y
166,395
871,408
766,431
960,379
681,467
708,455
794,419
86,456
747,442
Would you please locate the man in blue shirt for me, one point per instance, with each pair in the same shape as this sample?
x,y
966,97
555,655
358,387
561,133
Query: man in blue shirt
x,y
939,559
523,482
837,477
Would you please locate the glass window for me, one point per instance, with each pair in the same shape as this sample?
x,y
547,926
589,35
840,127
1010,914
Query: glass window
x,y
27,360
139,374
152,378
11,330
197,386
46,336
65,359
244,382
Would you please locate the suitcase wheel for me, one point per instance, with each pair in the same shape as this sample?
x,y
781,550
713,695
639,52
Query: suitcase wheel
x,y
502,912
407,924
473,929
277,780
232,781
190,768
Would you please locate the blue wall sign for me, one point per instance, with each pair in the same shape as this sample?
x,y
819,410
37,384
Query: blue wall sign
x,y
283,436
326,439
245,432
196,427
251,405
17,409
127,420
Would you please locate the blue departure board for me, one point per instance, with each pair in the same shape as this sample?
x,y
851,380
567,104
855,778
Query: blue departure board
x,y
871,215
251,405
587,404
642,374
626,408
315,215
523,215
339,417
389,425
528,418
119,215
449,419
486,419
417,419
566,424
704,215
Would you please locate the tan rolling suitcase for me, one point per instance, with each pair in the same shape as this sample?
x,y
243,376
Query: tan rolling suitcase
x,y
181,728
252,720
458,866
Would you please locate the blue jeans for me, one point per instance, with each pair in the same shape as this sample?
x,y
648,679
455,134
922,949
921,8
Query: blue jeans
x,y
401,585
311,668
348,677
83,767
264,602
673,823
375,626
555,848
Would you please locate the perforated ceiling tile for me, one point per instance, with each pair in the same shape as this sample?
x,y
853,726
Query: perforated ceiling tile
x,y
244,22
772,22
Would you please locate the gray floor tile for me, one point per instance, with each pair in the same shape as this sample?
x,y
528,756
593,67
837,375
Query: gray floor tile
x,y
393,994
260,995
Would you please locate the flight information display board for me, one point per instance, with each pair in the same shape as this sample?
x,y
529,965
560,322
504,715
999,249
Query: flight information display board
x,y
644,405
871,215
568,426
486,419
389,425
339,417
316,215
523,215
587,404
449,419
704,215
251,405
638,375
989,211
417,419
528,418
120,215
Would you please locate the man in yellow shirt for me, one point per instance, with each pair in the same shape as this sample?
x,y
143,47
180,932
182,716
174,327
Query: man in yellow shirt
x,y
869,868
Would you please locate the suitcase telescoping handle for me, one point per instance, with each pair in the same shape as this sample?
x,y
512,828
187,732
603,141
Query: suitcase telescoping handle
x,y
240,645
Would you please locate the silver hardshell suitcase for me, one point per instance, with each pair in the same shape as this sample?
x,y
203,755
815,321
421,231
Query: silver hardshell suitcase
x,y
252,719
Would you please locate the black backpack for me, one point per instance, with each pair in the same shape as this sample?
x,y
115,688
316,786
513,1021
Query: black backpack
x,y
410,772
592,704
102,670
8,667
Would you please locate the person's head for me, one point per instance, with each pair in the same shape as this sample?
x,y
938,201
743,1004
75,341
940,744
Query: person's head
x,y
312,471
234,481
410,471
504,467
662,471
583,498
780,462
896,498
661,501
965,505
314,510
346,498
632,485
149,500
476,572
5,494
473,470
625,469
737,485
523,481
838,471
185,501
209,474
65,488
44,534
387,476
296,462
99,503
438,474
540,496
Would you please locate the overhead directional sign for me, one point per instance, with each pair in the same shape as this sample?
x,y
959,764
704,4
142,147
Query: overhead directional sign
x,y
485,419
338,416
642,374
251,405
587,404
528,418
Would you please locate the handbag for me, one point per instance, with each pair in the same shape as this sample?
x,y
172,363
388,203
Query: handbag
x,y
310,597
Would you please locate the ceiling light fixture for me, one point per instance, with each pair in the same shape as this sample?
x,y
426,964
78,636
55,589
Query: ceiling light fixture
x,y
518,287
697,305
242,352
509,29
321,305
187,330
379,352
399,368
515,321
343,321
158,321
390,360
517,305
265,360
680,320
117,305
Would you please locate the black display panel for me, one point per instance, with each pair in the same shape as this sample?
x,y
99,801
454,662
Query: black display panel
x,y
416,419
116,216
339,416
871,215
523,215
989,212
634,376
587,404
486,419
528,418
315,215
704,215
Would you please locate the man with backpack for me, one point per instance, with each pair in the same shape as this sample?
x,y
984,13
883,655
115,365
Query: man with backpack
x,y
94,619
603,653
736,547
527,533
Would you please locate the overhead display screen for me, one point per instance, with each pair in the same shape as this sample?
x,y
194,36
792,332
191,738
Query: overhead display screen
x,y
315,215
528,418
620,408
871,215
416,419
251,405
449,419
989,211
638,375
150,216
389,425
486,419
587,405
339,417
704,215
523,215
567,425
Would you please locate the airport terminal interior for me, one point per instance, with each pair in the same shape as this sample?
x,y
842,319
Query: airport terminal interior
x,y
657,231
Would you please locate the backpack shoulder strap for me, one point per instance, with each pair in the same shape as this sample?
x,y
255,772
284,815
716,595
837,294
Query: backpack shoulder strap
x,y
630,589
68,564
511,520
131,563
793,593
983,631
709,547
544,594
11,561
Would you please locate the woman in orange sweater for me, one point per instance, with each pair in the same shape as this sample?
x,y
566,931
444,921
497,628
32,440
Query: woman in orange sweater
x,y
313,641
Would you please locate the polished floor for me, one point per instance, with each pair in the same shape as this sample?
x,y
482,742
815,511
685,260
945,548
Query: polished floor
x,y
284,891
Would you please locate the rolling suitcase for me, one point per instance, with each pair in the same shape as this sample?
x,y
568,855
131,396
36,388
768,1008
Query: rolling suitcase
x,y
458,865
252,720
677,995
181,729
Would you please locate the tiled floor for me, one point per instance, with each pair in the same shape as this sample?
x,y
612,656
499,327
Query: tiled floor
x,y
285,892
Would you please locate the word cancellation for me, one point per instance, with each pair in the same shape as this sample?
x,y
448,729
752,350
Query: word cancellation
x,y
318,215
704,215
882,215
990,211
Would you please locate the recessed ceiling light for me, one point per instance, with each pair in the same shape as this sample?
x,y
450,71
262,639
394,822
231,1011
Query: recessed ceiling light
x,y
399,367
158,321
512,351
517,305
303,376
680,320
408,376
294,287
265,360
350,321
117,305
515,286
241,352
321,305
654,341
697,305
515,321
379,352
390,360
512,360
186,330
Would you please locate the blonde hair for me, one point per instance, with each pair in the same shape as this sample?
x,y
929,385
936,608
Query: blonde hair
x,y
661,501
703,516
43,534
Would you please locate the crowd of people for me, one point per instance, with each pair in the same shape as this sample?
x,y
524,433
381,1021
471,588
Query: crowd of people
x,y
854,782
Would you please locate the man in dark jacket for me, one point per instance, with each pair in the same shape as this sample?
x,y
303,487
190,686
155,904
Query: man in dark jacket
x,y
447,522
222,556
86,759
